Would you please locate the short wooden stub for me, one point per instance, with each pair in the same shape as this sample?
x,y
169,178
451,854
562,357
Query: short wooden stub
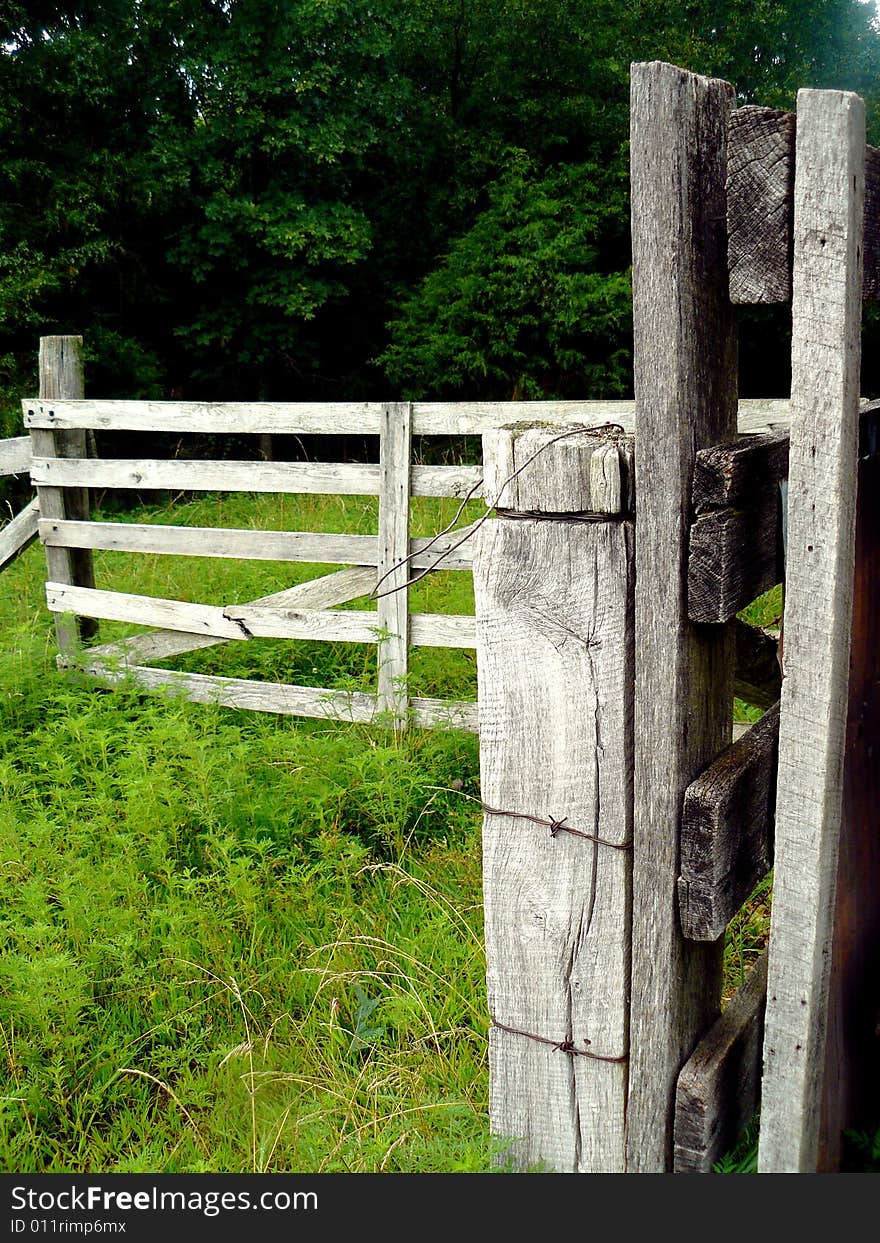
x,y
554,652
61,376
587,471
686,400
826,317
720,1084
727,831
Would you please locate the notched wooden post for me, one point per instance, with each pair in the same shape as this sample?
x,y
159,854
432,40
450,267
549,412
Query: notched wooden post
x,y
686,399
554,652
61,378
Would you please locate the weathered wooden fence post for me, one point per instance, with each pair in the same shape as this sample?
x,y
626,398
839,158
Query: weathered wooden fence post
x,y
395,456
686,400
61,378
553,589
826,318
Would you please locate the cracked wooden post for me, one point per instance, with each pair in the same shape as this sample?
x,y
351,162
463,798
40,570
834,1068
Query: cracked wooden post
x,y
61,378
686,399
553,592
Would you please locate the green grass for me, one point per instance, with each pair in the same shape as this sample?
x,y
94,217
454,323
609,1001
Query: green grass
x,y
233,941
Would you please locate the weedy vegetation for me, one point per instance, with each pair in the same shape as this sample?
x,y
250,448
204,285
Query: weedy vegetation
x,y
233,941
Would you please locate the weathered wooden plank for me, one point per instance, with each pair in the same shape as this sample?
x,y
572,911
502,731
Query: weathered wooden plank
x,y
258,621
585,473
252,545
757,677
760,188
720,1085
15,455
730,475
317,593
278,697
395,450
19,533
852,1067
186,475
727,831
686,400
760,210
734,556
61,376
361,418
826,315
554,655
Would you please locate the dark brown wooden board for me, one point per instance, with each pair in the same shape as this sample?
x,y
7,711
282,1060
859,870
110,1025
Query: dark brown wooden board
x,y
719,1086
727,831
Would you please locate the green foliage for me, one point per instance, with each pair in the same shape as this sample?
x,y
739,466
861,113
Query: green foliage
x,y
524,305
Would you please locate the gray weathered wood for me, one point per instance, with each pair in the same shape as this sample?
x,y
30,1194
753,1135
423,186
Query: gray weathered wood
x,y
429,418
15,456
757,676
183,475
730,475
19,533
278,697
727,831
554,655
584,473
760,186
760,210
395,450
734,556
826,315
720,1085
686,400
257,545
317,593
61,376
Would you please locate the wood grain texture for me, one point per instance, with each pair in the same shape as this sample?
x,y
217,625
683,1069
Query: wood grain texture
x,y
15,455
762,159
734,556
182,475
720,1084
393,601
429,418
252,545
584,473
317,593
731,475
760,196
727,831
19,533
554,656
61,376
278,697
826,317
686,400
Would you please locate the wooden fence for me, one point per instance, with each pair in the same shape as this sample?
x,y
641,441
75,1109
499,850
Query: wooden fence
x,y
625,825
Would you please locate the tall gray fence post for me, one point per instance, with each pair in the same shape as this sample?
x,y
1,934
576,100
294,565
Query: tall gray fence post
x,y
61,378
686,400
553,601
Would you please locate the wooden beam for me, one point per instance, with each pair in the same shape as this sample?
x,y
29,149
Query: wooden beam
x,y
19,533
727,831
734,556
686,400
15,456
760,207
61,376
395,449
554,656
826,319
719,1086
